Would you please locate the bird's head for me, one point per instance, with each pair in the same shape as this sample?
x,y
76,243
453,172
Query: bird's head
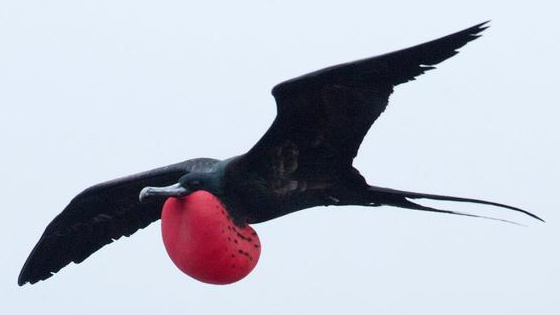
x,y
209,181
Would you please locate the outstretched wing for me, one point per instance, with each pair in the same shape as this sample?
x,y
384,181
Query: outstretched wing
x,y
323,116
98,216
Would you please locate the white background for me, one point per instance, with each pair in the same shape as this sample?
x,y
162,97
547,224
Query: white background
x,y
93,90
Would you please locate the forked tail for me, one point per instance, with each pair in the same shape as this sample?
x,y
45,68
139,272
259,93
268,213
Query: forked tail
x,y
400,198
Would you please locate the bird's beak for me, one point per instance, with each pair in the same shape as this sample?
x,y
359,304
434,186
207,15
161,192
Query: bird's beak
x,y
175,190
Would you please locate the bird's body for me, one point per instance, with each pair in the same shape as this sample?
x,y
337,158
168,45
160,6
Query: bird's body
x,y
303,160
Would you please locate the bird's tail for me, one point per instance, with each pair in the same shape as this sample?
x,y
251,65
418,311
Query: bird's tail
x,y
400,198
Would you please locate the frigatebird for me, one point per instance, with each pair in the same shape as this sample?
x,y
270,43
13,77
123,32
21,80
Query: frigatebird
x,y
303,160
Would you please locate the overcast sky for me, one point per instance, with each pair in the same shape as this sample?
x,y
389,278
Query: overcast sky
x,y
93,90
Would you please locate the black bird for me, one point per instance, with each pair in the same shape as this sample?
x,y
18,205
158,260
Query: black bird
x,y
303,160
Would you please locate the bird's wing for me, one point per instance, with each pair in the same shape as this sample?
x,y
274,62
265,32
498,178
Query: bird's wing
x,y
323,116
98,216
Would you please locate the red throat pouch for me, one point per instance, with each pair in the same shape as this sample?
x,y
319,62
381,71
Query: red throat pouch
x,y
203,242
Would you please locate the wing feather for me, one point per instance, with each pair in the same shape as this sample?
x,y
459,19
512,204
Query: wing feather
x,y
323,116
98,216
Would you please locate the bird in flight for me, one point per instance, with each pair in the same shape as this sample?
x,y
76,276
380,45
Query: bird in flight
x,y
303,160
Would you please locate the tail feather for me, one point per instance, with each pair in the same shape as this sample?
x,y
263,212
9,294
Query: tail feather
x,y
400,198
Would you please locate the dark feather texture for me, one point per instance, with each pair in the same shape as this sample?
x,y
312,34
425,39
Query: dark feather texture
x,y
327,113
322,119
98,216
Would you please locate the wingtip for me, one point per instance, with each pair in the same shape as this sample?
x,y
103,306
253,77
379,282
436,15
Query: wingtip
x,y
30,274
482,26
21,277
24,278
476,30
21,281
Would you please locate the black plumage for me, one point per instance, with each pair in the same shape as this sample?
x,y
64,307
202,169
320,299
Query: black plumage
x,y
98,216
303,160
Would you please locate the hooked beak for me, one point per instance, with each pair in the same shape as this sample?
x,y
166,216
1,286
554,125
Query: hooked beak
x,y
175,190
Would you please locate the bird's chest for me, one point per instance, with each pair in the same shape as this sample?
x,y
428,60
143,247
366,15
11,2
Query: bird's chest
x,y
252,197
204,242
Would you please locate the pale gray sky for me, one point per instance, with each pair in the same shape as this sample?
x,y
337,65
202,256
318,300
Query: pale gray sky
x,y
90,91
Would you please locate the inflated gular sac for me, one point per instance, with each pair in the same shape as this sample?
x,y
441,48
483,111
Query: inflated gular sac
x,y
202,240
